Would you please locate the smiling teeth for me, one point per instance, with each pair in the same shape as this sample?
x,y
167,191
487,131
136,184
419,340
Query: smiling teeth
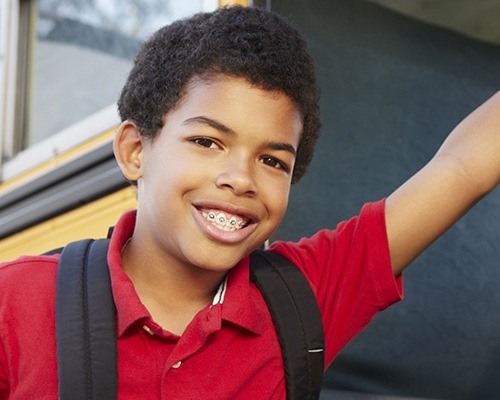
x,y
221,221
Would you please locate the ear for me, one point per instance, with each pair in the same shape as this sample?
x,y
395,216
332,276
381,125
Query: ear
x,y
128,149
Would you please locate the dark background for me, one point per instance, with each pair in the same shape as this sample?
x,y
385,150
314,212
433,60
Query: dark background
x,y
392,89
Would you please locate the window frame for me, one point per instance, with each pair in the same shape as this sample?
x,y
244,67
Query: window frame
x,y
9,33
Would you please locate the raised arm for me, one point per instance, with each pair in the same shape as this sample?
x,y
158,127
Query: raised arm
x,y
465,169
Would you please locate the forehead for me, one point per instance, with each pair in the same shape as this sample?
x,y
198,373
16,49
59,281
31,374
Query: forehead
x,y
239,103
220,80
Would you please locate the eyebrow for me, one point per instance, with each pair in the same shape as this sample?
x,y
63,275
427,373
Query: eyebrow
x,y
225,129
210,122
282,146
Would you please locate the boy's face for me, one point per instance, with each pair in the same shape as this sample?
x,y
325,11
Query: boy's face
x,y
214,184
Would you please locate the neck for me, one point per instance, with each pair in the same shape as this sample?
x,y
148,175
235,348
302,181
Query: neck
x,y
167,281
172,292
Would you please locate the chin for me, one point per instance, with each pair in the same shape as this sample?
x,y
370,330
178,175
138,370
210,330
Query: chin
x,y
222,261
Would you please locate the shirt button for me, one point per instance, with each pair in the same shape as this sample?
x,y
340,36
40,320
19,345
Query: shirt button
x,y
177,364
146,328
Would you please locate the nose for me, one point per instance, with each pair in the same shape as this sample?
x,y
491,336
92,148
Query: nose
x,y
238,178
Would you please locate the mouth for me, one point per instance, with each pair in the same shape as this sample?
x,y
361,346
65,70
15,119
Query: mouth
x,y
225,221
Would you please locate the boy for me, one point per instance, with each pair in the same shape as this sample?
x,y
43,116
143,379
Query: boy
x,y
220,116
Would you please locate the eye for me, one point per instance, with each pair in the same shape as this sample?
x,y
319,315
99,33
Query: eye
x,y
205,142
274,163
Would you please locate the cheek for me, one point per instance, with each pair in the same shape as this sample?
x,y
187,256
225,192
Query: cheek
x,y
277,200
172,169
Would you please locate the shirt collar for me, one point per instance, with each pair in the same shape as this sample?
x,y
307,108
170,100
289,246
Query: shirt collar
x,y
240,301
243,304
129,308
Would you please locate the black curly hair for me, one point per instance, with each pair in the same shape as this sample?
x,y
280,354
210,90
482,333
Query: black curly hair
x,y
247,42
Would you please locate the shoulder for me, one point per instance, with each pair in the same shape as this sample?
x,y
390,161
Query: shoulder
x,y
27,321
355,255
28,276
336,246
29,264
27,299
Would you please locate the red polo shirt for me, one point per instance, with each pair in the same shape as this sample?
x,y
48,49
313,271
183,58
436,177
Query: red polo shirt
x,y
230,349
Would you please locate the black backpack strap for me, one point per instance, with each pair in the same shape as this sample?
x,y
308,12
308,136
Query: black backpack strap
x,y
297,320
85,323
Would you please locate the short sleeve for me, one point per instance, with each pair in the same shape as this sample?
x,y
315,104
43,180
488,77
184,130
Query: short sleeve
x,y
350,272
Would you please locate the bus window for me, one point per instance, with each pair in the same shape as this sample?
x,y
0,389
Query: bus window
x,y
81,54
